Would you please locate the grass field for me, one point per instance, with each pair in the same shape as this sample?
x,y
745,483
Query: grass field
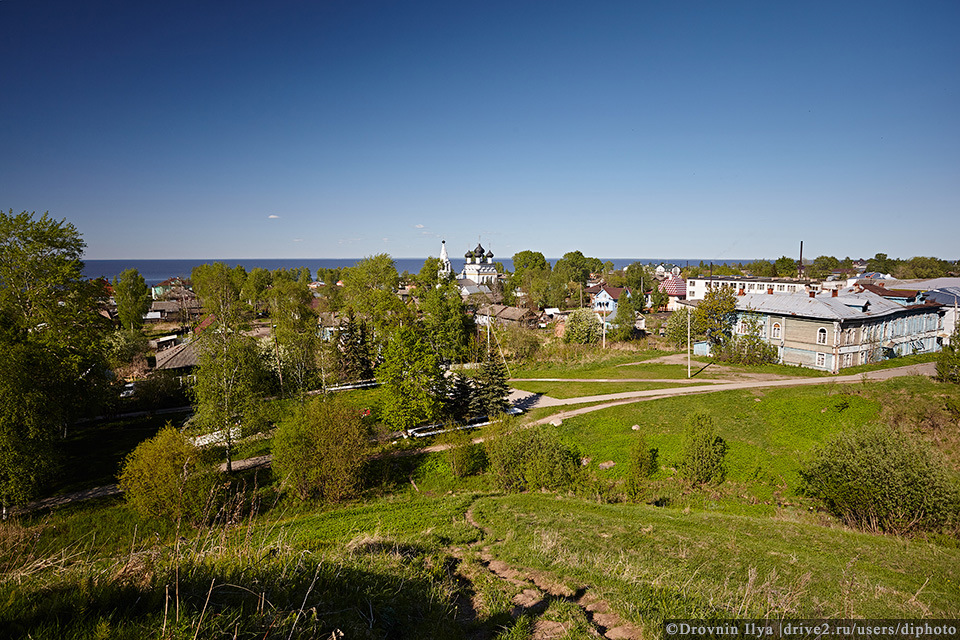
x,y
575,389
405,559
655,563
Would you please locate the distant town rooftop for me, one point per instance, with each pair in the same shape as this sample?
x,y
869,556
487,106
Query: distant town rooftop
x,y
753,279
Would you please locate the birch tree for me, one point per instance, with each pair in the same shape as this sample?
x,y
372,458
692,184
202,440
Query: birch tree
x,y
229,374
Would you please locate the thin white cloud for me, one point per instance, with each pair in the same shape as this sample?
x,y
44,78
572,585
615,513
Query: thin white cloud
x,y
418,226
298,239
272,216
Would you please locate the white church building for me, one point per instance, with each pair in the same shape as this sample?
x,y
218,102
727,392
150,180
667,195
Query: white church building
x,y
478,273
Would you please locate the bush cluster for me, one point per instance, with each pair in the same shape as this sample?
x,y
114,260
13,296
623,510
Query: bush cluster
x,y
163,477
643,464
880,478
320,452
532,458
583,327
703,451
746,349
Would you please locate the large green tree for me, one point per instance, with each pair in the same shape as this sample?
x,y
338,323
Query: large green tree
x,y
229,374
524,260
574,267
624,323
370,292
881,263
490,387
715,314
785,267
412,380
637,278
50,346
446,325
254,291
133,299
821,267
659,298
294,335
352,350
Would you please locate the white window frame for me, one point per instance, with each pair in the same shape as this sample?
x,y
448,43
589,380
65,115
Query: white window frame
x,y
775,331
821,336
821,359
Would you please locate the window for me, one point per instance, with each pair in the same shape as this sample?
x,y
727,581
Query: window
x,y
821,336
775,332
821,359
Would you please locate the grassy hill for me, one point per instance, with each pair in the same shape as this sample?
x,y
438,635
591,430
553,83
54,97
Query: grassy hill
x,y
426,554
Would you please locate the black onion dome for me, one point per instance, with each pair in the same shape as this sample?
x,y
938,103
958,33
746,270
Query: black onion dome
x,y
468,254
478,251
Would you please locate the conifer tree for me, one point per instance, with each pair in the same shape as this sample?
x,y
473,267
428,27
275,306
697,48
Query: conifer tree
x,y
491,391
352,354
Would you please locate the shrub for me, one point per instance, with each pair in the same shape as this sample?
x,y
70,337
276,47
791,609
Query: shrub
x,y
583,327
319,452
675,328
520,343
464,457
162,477
703,451
643,464
881,478
749,348
531,458
948,361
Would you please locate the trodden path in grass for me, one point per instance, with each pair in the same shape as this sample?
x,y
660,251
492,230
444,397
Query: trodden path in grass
x,y
536,590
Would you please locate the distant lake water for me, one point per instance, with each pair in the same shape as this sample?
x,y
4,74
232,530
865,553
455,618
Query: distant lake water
x,y
155,271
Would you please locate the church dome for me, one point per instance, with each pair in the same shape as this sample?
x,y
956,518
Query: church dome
x,y
489,254
478,251
468,254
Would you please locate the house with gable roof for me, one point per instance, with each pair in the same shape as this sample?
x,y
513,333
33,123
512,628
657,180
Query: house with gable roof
x,y
676,289
604,300
840,328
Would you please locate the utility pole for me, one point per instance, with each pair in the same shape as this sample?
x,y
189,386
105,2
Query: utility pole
x,y
688,342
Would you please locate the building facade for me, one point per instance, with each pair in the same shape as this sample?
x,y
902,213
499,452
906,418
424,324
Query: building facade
x,y
697,287
839,329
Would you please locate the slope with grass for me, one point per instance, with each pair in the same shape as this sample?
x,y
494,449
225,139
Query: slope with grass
x,y
429,554
652,563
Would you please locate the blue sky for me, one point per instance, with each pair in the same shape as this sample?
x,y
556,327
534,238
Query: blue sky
x,y
622,129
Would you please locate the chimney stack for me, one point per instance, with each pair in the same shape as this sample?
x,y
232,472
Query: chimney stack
x,y
769,291
813,294
834,293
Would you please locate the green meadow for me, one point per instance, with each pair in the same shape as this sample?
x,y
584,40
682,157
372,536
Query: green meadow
x,y
413,556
